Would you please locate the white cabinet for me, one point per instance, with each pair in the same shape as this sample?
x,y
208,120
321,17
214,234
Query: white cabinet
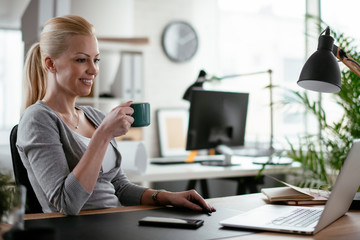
x,y
121,73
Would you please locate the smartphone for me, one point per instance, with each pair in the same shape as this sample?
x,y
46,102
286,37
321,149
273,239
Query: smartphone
x,y
171,222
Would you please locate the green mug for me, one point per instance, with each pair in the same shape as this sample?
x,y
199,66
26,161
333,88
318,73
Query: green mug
x,y
141,114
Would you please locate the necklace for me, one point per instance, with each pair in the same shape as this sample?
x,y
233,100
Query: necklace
x,y
68,120
78,120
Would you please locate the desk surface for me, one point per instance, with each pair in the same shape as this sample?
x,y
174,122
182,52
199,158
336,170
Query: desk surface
x,y
190,171
347,227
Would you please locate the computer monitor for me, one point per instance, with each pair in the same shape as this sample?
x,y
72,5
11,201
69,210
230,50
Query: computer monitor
x,y
217,120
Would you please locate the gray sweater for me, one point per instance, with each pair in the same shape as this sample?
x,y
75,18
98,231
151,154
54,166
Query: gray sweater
x,y
50,151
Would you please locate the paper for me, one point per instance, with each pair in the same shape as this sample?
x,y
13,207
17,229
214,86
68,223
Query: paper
x,y
303,191
134,156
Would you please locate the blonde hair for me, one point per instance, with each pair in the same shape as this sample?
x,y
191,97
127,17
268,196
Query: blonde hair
x,y
53,42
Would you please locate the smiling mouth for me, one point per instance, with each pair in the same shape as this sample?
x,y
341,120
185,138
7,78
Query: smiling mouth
x,y
86,81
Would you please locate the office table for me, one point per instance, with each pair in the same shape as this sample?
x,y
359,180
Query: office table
x,y
243,172
347,227
196,171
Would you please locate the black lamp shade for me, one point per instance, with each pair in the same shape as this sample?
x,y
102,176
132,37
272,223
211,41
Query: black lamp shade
x,y
197,85
321,71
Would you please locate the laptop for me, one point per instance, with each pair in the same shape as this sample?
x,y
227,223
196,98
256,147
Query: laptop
x,y
306,220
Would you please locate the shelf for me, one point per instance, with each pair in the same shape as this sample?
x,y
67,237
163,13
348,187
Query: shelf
x,y
103,100
135,40
104,104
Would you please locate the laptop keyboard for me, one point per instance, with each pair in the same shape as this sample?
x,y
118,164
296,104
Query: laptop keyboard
x,y
299,218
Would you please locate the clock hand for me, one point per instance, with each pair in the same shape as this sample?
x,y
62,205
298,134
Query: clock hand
x,y
186,39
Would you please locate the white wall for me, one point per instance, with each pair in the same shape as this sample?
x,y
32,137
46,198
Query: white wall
x,y
164,81
111,18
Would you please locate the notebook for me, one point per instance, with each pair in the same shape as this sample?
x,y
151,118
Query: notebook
x,y
306,220
294,195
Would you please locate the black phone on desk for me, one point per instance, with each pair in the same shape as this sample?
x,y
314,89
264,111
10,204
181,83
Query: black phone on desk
x,y
171,222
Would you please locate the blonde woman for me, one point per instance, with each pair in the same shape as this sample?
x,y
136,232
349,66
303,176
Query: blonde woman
x,y
69,151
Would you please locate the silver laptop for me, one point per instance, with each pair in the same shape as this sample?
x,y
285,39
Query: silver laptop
x,y
306,220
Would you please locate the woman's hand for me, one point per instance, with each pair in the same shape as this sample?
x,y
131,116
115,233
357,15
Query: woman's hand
x,y
188,199
118,121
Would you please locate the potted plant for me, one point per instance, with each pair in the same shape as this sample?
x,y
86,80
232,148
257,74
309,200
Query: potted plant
x,y
322,155
12,205
5,193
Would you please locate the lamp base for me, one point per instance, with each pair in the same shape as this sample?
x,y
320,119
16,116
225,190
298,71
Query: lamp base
x,y
219,163
272,160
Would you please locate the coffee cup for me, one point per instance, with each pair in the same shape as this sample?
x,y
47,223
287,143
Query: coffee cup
x,y
141,114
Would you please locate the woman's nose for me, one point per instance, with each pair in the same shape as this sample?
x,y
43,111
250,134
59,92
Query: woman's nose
x,y
93,69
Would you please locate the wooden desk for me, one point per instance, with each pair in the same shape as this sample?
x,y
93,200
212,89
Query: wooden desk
x,y
347,227
193,171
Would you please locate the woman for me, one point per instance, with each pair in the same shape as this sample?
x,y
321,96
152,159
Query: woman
x,y
69,151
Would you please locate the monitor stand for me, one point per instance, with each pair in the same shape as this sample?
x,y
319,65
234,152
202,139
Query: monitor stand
x,y
228,152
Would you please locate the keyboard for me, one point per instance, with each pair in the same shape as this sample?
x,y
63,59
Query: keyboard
x,y
299,218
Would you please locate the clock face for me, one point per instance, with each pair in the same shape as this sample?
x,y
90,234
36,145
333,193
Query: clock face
x,y
179,41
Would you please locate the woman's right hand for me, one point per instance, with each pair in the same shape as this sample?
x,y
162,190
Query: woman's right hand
x,y
118,121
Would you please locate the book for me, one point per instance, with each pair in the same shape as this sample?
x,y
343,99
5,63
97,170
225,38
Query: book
x,y
304,202
293,195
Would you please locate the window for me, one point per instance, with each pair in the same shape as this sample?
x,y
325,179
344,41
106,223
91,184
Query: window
x,y
345,23
11,64
257,36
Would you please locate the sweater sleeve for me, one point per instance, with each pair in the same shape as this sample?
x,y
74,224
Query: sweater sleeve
x,y
128,193
41,150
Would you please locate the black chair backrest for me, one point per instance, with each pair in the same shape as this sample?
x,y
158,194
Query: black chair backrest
x,y
21,176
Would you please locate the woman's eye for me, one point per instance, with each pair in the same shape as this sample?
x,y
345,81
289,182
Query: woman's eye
x,y
96,60
81,60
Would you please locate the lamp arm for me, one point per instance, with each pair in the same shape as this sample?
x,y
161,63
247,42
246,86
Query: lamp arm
x,y
346,59
238,75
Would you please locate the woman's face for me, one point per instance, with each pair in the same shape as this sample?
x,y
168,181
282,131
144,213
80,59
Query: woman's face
x,y
77,67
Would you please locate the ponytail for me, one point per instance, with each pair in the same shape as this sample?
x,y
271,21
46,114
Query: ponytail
x,y
34,76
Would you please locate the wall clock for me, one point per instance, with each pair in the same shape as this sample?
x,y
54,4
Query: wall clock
x,y
179,41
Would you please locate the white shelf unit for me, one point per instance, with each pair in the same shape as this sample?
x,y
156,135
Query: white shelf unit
x,y
116,73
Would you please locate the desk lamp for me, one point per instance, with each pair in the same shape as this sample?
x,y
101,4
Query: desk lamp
x,y
321,71
199,85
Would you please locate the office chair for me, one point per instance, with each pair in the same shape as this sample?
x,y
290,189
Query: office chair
x,y
21,176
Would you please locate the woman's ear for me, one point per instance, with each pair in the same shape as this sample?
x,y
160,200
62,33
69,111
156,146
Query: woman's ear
x,y
50,65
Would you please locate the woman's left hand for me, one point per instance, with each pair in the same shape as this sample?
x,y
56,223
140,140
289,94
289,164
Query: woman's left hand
x,y
188,199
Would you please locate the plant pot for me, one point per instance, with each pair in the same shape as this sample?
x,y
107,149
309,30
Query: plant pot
x,y
13,207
